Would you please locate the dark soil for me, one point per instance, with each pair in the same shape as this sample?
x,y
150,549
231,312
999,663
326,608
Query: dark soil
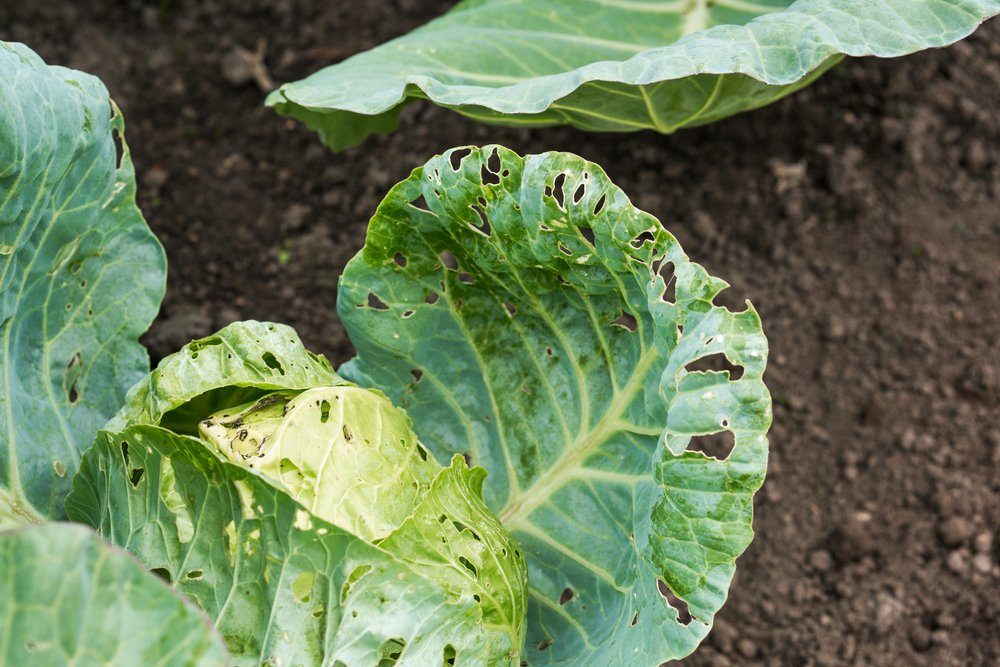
x,y
861,216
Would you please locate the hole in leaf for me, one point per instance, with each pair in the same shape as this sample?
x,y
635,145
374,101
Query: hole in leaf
x,y
683,615
493,162
163,573
324,412
548,351
641,238
564,250
449,655
488,177
420,203
194,574
448,260
665,270
407,313
566,595
580,192
626,321
557,190
73,369
716,446
353,578
400,259
715,362
588,234
421,452
457,156
376,303
417,374
467,564
600,204
431,298
125,452
635,618
510,308
119,147
136,476
544,644
730,300
484,223
272,362
465,278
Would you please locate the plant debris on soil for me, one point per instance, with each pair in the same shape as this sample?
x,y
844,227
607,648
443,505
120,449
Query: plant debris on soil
x,y
860,216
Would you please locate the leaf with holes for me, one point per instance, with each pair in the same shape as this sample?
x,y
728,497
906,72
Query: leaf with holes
x,y
613,65
81,277
301,513
537,322
72,599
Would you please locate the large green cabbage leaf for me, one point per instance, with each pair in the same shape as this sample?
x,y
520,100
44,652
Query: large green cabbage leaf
x,y
614,65
518,308
69,598
233,469
81,277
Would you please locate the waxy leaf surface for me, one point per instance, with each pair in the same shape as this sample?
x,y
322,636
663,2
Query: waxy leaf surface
x,y
81,277
614,65
525,314
69,598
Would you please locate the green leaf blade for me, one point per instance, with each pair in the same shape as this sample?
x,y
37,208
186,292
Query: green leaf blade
x,y
525,321
73,599
81,277
609,66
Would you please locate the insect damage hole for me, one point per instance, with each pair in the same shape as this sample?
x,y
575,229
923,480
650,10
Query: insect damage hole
x,y
626,321
600,204
484,224
272,362
488,177
73,370
581,190
457,156
400,259
717,362
544,644
420,204
716,446
683,615
588,235
119,146
665,270
448,260
510,308
493,161
432,298
642,237
557,190
450,654
136,476
566,595
417,374
376,303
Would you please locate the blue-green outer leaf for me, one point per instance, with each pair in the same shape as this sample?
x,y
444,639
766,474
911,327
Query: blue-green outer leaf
x,y
69,598
606,65
496,322
81,277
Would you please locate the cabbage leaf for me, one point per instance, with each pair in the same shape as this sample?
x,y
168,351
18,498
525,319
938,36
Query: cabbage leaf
x,y
612,65
265,487
81,277
69,598
525,314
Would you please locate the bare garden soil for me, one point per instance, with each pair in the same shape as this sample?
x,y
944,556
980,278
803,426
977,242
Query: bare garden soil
x,y
861,217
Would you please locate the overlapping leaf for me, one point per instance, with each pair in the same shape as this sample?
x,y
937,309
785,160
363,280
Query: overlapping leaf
x,y
608,65
518,308
68,598
81,277
281,581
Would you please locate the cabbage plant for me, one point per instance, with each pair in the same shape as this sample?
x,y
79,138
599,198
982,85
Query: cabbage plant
x,y
614,66
513,469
